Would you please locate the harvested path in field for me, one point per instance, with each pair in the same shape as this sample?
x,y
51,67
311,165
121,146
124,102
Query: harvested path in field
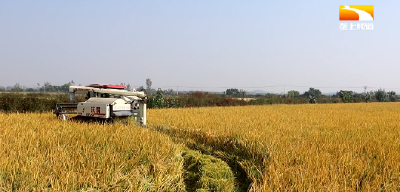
x,y
242,181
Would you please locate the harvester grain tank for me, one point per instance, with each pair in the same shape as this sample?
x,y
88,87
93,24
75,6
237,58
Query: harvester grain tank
x,y
105,102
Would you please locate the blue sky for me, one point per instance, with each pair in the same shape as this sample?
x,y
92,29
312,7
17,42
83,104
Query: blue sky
x,y
203,45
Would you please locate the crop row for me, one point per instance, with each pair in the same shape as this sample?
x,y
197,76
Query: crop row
x,y
324,147
41,153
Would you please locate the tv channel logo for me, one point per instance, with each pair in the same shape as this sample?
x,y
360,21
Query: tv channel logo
x,y
356,12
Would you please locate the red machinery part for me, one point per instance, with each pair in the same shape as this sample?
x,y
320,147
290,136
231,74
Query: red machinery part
x,y
104,86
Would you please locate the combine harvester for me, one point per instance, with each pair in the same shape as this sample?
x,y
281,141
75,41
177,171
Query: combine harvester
x,y
105,103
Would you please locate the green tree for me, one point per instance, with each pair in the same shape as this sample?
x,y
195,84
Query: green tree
x,y
312,99
369,96
358,97
313,94
235,92
232,92
158,101
392,96
149,83
17,88
29,90
65,87
381,95
271,95
47,87
128,87
293,94
169,92
141,88
346,96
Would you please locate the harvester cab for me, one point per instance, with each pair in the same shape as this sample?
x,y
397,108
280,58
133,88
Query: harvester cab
x,y
105,102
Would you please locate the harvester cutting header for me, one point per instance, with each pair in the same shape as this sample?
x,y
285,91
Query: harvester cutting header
x,y
105,102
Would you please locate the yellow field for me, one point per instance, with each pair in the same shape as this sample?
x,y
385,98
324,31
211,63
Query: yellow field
x,y
321,147
41,153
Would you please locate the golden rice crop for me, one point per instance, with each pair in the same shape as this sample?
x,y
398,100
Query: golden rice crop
x,y
41,153
323,147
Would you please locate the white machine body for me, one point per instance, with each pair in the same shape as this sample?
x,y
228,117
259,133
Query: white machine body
x,y
106,102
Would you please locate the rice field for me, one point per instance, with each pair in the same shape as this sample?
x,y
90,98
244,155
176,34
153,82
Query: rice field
x,y
41,153
323,147
320,147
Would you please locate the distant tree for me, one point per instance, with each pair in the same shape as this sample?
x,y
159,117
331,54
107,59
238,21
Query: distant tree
x,y
17,88
293,94
392,96
47,87
369,96
312,99
65,87
242,93
43,88
30,90
381,95
169,92
313,94
346,96
235,92
149,83
271,95
358,97
232,92
141,88
128,87
2,89
158,101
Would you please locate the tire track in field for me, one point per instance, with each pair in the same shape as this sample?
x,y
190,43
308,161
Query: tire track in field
x,y
227,149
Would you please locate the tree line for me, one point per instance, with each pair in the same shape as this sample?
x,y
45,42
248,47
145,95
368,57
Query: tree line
x,y
311,96
43,102
45,87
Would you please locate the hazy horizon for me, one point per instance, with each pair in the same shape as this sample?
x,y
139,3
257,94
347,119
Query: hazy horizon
x,y
203,45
